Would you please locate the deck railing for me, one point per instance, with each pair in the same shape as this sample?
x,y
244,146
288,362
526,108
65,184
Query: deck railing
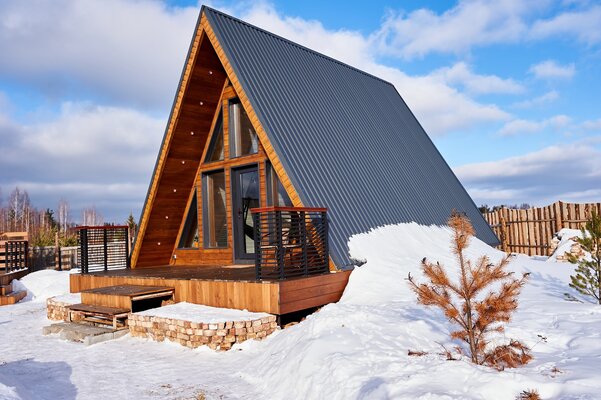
x,y
290,242
14,256
103,248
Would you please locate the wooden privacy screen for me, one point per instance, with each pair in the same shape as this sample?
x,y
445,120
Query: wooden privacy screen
x,y
530,231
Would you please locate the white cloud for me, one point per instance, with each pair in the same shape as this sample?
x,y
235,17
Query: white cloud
x,y
562,172
584,25
128,52
470,23
460,74
520,126
594,125
88,154
474,23
550,69
538,101
438,106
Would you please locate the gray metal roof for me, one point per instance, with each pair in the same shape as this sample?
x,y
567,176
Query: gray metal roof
x,y
346,138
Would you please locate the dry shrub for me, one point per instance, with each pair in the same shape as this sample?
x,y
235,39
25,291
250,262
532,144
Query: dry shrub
x,y
530,394
466,304
510,355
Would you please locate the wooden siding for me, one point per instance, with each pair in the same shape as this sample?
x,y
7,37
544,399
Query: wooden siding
x,y
530,231
274,297
198,98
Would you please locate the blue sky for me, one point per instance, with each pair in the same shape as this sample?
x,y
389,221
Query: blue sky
x,y
508,90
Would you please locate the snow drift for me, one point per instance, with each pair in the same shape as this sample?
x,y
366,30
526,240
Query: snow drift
x,y
355,349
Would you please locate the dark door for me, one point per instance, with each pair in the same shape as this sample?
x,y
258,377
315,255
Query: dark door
x,y
245,195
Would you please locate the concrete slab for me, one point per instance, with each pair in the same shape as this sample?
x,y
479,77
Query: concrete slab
x,y
83,333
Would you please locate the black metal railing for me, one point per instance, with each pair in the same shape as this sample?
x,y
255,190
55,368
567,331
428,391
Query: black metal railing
x,y
103,248
14,256
290,242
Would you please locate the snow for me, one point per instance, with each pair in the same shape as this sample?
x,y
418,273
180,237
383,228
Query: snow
x,y
355,349
41,285
566,240
202,314
69,298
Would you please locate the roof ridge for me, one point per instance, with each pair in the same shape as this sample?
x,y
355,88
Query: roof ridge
x,y
300,46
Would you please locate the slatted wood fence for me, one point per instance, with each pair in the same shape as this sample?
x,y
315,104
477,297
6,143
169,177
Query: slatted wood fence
x,y
530,231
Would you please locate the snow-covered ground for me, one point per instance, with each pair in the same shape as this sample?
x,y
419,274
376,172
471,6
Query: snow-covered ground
x,y
355,349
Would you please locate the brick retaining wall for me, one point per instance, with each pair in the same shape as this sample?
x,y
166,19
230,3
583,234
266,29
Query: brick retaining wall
x,y
218,336
57,310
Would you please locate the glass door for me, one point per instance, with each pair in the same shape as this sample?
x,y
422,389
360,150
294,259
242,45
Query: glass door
x,y
245,196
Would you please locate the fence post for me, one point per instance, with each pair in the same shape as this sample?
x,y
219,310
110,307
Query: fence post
x,y
127,255
558,219
258,239
503,227
303,239
57,253
279,244
106,250
83,250
26,255
326,256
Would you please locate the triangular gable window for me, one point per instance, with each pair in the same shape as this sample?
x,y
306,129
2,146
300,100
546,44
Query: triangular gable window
x,y
216,147
189,238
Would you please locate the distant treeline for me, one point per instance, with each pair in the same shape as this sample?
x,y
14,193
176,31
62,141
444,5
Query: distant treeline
x,y
45,226
484,208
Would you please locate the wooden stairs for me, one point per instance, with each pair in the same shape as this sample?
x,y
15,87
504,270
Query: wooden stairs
x,y
111,305
8,296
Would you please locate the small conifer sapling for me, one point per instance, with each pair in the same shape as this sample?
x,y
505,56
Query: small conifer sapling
x,y
471,303
587,278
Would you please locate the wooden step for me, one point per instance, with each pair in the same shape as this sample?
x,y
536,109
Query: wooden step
x,y
116,317
123,296
6,289
12,298
98,309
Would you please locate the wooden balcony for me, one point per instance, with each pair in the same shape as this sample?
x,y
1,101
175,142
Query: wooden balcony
x,y
290,242
290,271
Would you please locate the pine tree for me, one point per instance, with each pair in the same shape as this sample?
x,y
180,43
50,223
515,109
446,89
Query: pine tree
x,y
587,279
463,303
132,224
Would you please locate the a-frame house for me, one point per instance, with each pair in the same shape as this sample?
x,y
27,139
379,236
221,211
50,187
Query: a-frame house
x,y
264,136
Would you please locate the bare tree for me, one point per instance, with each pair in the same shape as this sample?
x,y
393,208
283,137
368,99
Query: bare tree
x,y
91,217
63,215
18,208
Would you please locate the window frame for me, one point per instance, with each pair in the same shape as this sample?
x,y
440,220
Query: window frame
x,y
208,223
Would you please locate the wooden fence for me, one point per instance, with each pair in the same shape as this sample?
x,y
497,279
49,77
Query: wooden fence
x,y
530,231
47,257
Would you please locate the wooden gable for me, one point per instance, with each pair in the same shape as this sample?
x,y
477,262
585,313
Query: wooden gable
x,y
203,87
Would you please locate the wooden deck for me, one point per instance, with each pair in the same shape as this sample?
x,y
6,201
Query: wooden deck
x,y
229,286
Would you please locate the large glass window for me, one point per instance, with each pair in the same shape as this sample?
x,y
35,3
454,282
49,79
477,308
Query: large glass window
x,y
276,193
243,138
214,210
189,238
215,152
